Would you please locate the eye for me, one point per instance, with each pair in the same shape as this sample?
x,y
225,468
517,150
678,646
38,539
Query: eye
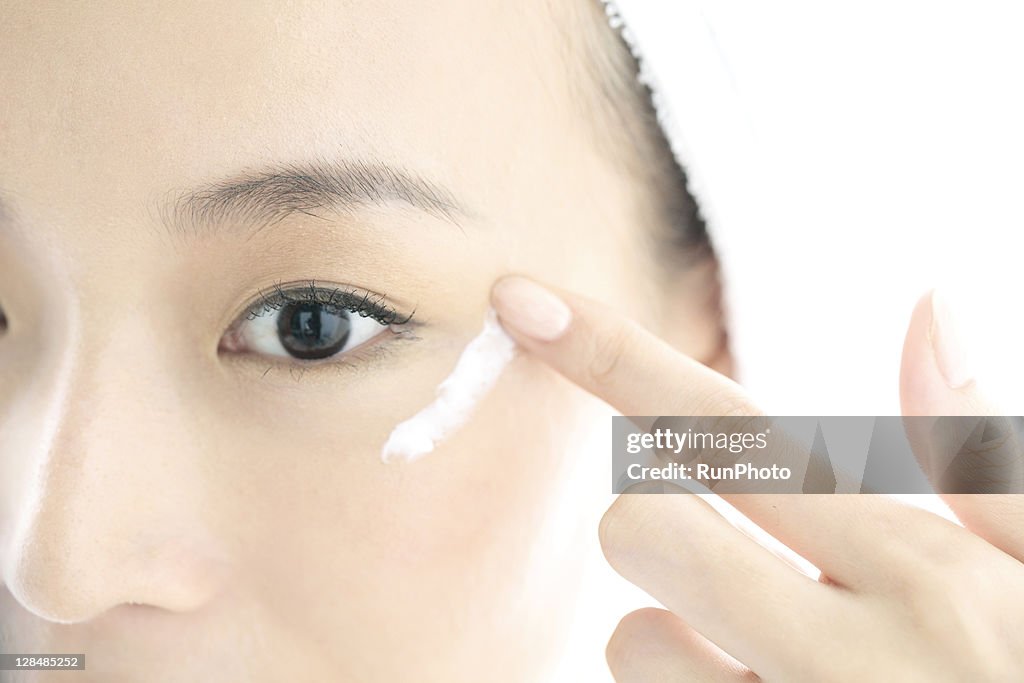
x,y
309,323
308,331
3,321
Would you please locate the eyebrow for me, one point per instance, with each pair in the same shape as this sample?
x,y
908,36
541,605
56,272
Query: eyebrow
x,y
260,198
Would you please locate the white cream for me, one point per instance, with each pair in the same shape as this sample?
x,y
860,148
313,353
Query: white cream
x,y
476,371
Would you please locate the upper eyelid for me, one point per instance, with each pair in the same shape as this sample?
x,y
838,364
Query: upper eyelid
x,y
346,297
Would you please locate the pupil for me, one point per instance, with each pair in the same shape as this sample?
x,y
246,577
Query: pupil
x,y
309,331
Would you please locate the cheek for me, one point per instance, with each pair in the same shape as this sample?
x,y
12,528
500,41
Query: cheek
x,y
356,548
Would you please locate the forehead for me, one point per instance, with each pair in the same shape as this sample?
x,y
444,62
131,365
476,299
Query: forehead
x,y
106,105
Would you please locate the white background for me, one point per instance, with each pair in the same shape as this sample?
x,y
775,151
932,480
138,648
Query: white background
x,y
888,139
852,156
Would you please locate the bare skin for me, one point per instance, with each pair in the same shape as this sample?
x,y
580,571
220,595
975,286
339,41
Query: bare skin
x,y
183,506
904,595
159,482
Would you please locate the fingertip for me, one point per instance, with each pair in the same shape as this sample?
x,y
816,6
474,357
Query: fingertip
x,y
933,372
916,378
529,309
947,345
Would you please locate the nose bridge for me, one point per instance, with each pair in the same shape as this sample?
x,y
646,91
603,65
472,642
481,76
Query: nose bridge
x,y
111,517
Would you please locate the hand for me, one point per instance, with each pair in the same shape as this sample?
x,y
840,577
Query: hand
x,y
904,594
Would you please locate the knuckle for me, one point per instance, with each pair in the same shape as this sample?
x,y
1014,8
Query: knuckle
x,y
617,651
944,611
727,404
635,628
607,353
924,553
620,527
942,548
607,530
942,586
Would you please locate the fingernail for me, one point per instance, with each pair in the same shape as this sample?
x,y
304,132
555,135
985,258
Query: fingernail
x,y
947,346
524,306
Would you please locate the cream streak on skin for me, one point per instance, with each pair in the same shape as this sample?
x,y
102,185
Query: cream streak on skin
x,y
476,371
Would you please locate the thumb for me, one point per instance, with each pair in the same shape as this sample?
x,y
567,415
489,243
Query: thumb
x,y
935,380
935,377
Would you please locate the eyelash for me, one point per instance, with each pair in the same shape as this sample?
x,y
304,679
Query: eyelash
x,y
334,300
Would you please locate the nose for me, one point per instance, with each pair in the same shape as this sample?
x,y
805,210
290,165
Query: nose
x,y
108,505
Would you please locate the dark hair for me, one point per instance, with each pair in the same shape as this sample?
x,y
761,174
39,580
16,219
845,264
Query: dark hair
x,y
627,127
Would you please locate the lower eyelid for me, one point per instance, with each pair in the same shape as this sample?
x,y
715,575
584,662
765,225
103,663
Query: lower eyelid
x,y
366,356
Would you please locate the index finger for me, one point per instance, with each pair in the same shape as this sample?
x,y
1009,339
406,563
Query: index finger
x,y
612,357
639,374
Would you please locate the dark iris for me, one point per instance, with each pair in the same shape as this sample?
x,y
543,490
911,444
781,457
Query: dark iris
x,y
309,330
3,322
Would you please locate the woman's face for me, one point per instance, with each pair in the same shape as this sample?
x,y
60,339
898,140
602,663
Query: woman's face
x,y
181,495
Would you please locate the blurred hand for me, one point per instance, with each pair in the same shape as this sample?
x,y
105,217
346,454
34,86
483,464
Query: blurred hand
x,y
904,594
